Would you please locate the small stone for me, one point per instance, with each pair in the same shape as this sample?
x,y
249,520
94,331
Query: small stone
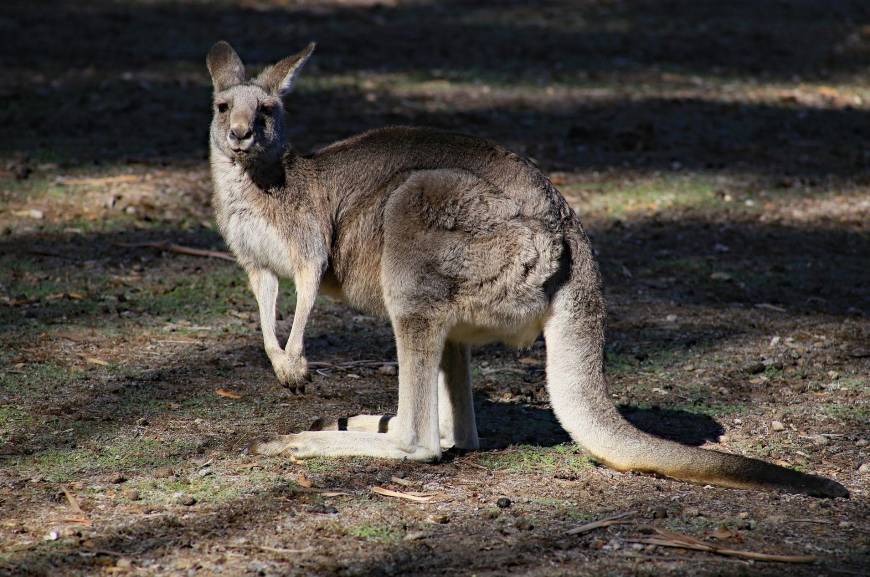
x,y
415,535
845,524
743,515
861,443
671,318
523,524
720,276
503,503
864,469
123,564
52,536
777,426
183,499
118,478
775,341
691,512
388,370
132,494
438,519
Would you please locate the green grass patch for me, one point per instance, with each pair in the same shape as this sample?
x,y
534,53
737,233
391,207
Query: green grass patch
x,y
654,194
123,454
372,532
528,459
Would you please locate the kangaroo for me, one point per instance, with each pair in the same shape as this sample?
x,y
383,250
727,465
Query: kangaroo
x,y
455,240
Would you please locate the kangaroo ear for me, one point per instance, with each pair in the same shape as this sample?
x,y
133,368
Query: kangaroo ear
x,y
225,66
279,78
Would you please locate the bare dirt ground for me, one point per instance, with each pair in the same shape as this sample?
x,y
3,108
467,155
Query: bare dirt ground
x,y
717,152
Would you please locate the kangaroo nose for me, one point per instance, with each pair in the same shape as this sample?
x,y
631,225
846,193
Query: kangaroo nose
x,y
240,136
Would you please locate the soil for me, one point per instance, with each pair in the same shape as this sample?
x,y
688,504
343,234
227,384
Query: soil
x,y
717,153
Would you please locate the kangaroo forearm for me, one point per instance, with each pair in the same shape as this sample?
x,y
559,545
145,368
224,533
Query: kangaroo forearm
x,y
307,283
264,284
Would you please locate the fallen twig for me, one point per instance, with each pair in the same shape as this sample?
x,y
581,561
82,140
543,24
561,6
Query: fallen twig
x,y
82,518
177,248
277,550
679,541
606,522
416,497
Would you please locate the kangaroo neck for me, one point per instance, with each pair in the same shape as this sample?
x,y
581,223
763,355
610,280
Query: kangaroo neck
x,y
270,175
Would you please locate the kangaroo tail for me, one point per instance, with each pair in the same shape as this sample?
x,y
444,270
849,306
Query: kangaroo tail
x,y
575,336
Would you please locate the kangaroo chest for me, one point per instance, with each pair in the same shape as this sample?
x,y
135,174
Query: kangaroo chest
x,y
254,238
257,243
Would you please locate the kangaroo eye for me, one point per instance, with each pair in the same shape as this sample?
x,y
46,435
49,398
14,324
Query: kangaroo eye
x,y
223,107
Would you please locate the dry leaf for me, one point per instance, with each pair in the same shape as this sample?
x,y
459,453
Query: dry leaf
x,y
227,394
722,533
304,481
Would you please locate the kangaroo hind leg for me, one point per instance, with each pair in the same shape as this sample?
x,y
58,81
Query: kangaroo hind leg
x,y
456,421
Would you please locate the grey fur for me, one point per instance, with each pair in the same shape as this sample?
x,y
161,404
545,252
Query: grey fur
x,y
458,242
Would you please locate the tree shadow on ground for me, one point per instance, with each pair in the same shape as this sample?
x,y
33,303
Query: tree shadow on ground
x,y
505,424
96,84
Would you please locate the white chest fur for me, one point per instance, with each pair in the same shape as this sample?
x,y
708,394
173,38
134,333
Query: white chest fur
x,y
254,240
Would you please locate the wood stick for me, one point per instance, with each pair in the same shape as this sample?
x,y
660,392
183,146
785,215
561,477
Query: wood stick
x,y
606,522
177,248
680,541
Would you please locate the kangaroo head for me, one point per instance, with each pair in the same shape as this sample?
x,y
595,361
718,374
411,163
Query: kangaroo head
x,y
248,122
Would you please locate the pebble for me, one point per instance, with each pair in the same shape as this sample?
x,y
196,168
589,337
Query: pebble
x,y
183,499
777,426
389,370
503,503
864,469
438,518
861,443
671,318
845,524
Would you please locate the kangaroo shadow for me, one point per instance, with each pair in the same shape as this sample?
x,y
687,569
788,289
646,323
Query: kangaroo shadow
x,y
503,424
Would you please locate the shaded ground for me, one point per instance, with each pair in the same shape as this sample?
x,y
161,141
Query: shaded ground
x,y
716,151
